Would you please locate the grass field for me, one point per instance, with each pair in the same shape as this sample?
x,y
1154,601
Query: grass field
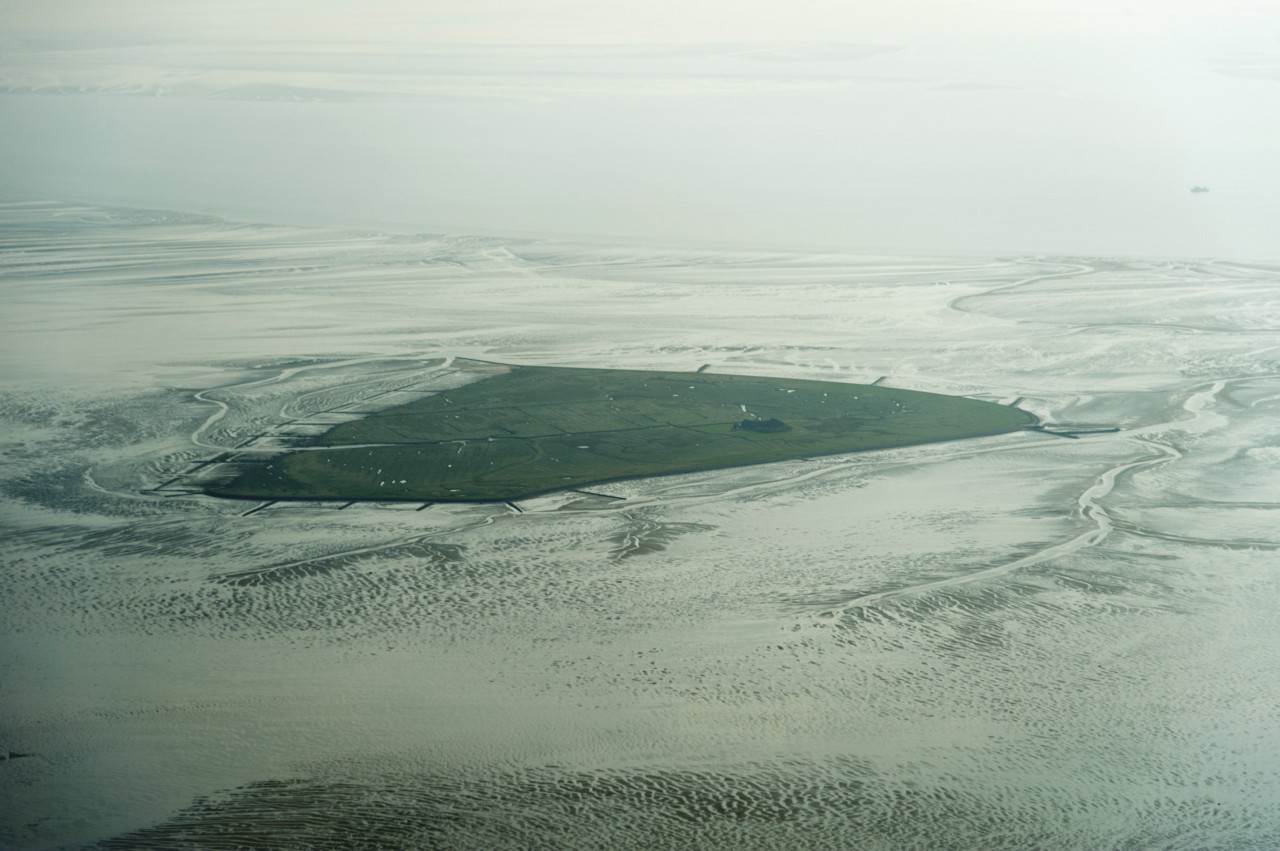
x,y
531,430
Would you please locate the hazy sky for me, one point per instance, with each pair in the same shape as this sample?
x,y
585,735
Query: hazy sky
x,y
584,21
985,125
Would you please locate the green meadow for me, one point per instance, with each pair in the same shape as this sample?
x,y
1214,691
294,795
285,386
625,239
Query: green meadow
x,y
531,430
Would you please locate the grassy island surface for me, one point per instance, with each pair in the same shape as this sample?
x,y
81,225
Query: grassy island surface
x,y
528,430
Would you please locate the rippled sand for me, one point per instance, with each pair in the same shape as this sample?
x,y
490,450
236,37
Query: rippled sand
x,y
1026,641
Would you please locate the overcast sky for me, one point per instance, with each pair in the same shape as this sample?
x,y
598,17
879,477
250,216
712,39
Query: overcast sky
x,y
987,125
579,21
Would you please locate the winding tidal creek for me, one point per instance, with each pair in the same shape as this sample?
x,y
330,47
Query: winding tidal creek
x,y
1029,640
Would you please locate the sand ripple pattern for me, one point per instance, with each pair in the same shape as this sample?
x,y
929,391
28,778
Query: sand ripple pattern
x,y
830,804
1032,641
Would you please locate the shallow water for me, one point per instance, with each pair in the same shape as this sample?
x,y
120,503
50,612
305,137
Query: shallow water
x,y
1025,641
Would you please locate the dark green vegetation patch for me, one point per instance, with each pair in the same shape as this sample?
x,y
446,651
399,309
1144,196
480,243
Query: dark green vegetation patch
x,y
532,430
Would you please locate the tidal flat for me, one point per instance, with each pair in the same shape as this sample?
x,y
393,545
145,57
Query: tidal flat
x,y
1019,641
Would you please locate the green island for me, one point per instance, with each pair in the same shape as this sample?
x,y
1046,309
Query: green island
x,y
529,430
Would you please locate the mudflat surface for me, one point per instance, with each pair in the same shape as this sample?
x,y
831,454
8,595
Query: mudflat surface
x,y
524,430
1015,642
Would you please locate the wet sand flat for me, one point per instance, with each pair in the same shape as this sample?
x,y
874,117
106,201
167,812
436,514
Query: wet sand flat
x,y
1017,641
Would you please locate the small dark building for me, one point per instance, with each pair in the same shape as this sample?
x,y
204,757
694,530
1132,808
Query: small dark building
x,y
769,425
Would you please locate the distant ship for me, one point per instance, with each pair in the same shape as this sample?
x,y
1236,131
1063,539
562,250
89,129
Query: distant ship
x,y
1199,188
